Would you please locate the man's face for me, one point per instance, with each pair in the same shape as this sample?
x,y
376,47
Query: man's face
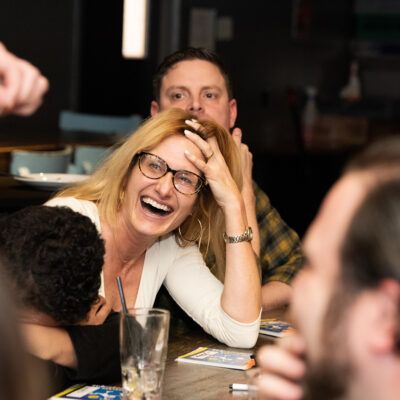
x,y
317,300
198,87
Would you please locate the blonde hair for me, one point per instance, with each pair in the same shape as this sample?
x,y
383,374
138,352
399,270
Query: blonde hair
x,y
107,185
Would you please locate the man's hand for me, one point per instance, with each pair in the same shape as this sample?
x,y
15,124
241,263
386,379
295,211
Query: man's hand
x,y
98,313
22,86
275,294
249,198
281,369
247,161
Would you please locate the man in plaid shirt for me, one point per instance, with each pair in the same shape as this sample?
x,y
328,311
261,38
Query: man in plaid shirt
x,y
195,80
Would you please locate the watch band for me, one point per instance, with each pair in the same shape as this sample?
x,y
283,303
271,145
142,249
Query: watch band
x,y
246,236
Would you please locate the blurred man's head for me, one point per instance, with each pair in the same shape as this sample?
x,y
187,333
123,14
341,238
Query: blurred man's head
x,y
52,259
196,81
346,301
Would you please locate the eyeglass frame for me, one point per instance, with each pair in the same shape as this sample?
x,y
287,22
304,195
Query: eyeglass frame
x,y
202,184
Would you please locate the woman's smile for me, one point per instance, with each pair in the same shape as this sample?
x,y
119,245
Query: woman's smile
x,y
155,206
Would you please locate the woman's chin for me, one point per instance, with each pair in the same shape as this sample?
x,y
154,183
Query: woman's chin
x,y
154,230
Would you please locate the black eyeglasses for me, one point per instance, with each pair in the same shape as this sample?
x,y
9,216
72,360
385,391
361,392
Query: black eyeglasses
x,y
154,167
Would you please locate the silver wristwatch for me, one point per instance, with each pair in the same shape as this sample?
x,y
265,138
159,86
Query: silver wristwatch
x,y
246,236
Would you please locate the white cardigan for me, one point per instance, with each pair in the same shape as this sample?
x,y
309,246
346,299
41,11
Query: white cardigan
x,y
187,279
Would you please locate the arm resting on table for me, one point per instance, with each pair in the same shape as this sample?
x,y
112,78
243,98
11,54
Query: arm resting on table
x,y
198,292
90,352
47,343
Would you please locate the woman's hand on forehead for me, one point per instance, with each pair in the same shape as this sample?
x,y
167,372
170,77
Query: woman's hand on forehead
x,y
195,135
213,166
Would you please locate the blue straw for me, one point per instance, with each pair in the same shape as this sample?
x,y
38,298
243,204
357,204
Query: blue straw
x,y
121,294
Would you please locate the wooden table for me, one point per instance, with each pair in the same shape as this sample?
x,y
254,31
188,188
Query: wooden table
x,y
184,381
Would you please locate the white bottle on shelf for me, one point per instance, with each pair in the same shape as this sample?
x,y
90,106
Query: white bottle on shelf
x,y
310,115
352,91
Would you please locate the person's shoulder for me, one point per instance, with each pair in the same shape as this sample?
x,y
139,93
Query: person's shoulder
x,y
167,240
67,201
168,249
84,207
75,204
165,245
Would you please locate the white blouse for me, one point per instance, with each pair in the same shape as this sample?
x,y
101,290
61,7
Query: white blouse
x,y
189,281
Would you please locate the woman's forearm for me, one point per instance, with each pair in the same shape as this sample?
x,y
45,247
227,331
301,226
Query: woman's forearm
x,y
48,343
241,297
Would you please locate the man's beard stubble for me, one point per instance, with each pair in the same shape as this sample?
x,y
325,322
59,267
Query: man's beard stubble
x,y
327,380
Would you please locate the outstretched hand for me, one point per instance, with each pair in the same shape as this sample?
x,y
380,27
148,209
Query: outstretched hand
x,y
22,86
213,166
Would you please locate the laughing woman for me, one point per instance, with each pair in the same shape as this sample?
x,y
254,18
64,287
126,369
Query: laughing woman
x,y
165,196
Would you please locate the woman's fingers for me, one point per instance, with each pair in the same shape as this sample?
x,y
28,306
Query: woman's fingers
x,y
204,145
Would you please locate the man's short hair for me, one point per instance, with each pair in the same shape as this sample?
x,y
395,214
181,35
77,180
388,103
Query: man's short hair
x,y
380,156
190,53
52,258
370,250
371,247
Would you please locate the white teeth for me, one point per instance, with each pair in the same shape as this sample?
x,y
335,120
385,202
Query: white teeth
x,y
153,203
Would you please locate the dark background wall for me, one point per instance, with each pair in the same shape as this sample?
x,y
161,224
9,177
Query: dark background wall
x,y
42,32
77,45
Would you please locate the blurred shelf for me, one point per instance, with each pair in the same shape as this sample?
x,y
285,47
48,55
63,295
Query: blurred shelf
x,y
51,141
375,108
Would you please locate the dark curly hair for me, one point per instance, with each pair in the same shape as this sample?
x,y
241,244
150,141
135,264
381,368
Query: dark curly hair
x,y
53,259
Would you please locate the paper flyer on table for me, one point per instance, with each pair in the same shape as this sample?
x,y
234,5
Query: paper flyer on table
x,y
89,392
219,358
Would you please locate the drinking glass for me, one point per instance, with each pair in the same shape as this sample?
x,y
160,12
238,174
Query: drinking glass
x,y
143,351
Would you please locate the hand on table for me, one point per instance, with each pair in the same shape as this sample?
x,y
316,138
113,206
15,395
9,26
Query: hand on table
x,y
281,369
22,86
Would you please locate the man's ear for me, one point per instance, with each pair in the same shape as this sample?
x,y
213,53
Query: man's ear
x,y
384,312
232,113
154,108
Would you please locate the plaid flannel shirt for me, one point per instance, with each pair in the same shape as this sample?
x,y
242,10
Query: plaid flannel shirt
x,y
280,250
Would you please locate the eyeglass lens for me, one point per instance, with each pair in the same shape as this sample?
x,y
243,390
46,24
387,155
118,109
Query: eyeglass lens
x,y
154,167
